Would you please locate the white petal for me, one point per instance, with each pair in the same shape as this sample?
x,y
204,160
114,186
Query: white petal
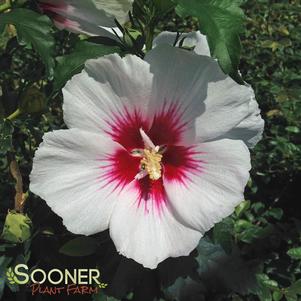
x,y
180,80
211,194
193,39
90,16
148,236
231,111
212,103
251,128
107,86
66,173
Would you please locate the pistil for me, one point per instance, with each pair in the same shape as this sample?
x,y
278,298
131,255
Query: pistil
x,y
151,155
151,163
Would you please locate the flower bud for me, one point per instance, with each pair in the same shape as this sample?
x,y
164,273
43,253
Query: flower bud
x,y
32,101
17,227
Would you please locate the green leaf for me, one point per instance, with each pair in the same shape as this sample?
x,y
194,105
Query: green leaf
x,y
222,234
164,6
258,207
266,281
35,30
221,21
208,252
263,290
80,246
275,213
291,297
6,130
73,63
184,289
295,288
241,225
295,253
292,129
229,271
254,232
277,295
265,294
242,207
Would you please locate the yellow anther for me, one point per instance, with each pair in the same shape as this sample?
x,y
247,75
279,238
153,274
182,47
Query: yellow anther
x,y
151,163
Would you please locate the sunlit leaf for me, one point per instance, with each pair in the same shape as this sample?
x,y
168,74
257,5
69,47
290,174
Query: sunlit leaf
x,y
221,21
242,207
73,63
34,30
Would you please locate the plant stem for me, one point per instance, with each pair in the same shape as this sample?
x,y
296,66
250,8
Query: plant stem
x,y
14,115
149,36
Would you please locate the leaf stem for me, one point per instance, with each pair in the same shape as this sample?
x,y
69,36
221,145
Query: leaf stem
x,y
149,36
14,115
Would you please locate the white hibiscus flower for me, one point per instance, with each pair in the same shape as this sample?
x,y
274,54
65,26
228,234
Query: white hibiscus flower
x,y
156,151
91,17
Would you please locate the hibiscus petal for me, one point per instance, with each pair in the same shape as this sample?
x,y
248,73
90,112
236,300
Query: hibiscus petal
x,y
67,173
194,40
87,16
251,128
227,107
110,91
210,103
210,192
148,235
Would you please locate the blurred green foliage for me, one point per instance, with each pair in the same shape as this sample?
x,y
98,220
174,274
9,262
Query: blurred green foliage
x,y
255,254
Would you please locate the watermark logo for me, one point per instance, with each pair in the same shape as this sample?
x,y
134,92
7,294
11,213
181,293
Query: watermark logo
x,y
11,278
56,281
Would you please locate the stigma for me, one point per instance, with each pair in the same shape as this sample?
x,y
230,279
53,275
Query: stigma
x,y
151,157
151,163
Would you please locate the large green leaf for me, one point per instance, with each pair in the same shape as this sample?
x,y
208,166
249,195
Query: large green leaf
x,y
222,234
185,289
34,30
73,63
219,269
263,290
80,246
221,21
295,288
163,6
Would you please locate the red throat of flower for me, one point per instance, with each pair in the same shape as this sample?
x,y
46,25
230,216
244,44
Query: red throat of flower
x,y
151,155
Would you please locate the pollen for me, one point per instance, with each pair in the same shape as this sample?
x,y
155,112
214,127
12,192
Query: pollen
x,y
151,163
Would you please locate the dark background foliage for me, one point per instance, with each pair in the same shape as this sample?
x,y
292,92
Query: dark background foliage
x,y
255,254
